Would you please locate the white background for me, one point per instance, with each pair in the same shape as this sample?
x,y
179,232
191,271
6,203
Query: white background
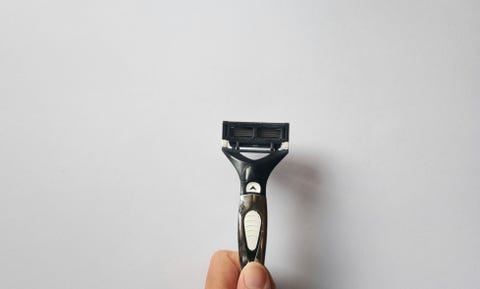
x,y
111,174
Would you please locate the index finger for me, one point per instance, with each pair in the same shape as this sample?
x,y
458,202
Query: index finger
x,y
223,271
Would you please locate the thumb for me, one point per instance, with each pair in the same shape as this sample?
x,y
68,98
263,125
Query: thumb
x,y
254,276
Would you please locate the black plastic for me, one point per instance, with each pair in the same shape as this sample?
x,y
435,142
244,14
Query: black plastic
x,y
250,170
267,135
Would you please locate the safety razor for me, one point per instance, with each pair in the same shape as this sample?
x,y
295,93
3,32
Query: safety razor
x,y
254,149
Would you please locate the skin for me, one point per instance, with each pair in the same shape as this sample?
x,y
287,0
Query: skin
x,y
224,273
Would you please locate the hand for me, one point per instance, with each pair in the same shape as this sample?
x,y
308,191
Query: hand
x,y
224,273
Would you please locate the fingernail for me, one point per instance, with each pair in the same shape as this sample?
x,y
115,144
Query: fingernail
x,y
254,276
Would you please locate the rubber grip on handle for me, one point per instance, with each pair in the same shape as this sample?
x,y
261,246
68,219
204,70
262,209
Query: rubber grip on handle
x,y
252,228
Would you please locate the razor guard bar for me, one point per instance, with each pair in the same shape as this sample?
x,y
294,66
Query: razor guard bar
x,y
254,137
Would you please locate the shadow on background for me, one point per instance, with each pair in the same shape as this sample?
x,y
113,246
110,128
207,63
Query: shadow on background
x,y
302,177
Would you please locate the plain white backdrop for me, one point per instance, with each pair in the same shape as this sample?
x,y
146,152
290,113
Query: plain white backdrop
x,y
111,173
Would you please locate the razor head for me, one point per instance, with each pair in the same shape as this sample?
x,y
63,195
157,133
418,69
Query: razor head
x,y
255,136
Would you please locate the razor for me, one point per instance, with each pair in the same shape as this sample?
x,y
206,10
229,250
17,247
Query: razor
x,y
254,149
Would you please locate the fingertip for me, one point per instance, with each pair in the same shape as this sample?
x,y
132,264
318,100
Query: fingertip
x,y
254,276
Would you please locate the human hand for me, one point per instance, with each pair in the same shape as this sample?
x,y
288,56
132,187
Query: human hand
x,y
224,273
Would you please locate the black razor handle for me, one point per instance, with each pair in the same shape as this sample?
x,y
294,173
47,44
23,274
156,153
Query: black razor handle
x,y
252,213
252,228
